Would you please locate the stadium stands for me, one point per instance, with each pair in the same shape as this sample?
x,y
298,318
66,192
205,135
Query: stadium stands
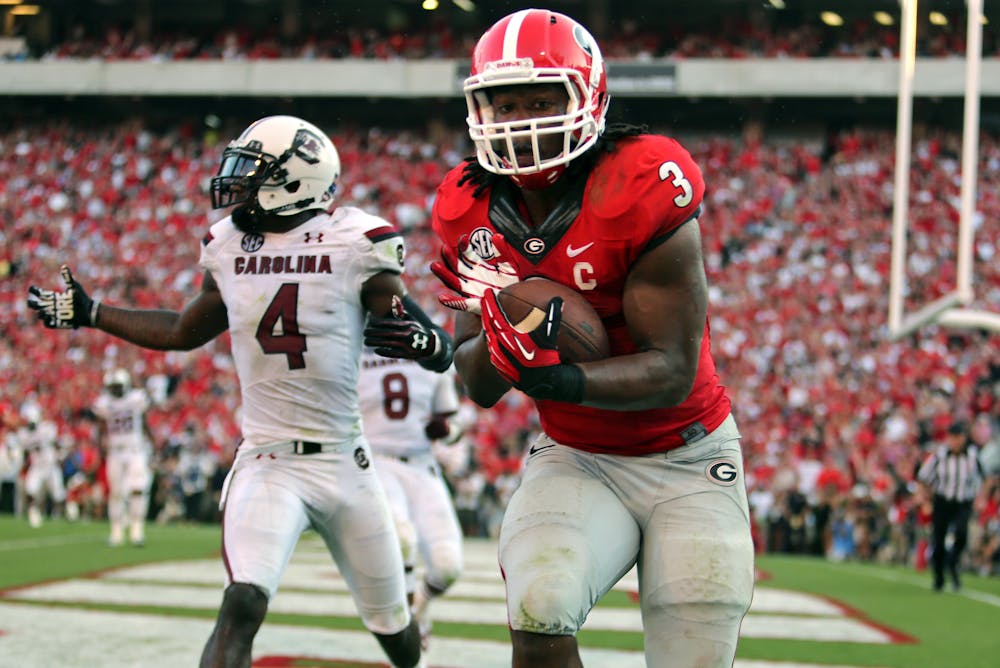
x,y
835,417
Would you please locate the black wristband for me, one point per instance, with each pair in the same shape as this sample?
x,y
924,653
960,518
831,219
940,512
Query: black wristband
x,y
563,382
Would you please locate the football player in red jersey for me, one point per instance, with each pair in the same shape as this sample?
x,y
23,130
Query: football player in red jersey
x,y
640,460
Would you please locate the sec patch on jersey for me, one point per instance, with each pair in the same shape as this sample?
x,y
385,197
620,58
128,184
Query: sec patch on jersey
x,y
582,337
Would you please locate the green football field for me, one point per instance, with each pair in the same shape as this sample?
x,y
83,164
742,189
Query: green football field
x,y
67,599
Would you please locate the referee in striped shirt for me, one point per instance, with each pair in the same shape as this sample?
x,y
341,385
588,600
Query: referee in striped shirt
x,y
953,475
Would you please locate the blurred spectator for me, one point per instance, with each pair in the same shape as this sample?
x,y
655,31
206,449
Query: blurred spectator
x,y
797,253
196,467
737,35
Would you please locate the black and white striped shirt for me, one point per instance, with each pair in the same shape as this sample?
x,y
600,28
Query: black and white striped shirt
x,y
954,476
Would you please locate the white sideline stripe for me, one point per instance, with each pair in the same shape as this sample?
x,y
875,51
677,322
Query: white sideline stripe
x,y
482,612
49,541
474,584
746,663
153,641
922,582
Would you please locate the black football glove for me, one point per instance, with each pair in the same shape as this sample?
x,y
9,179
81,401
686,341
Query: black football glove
x,y
437,428
69,309
399,335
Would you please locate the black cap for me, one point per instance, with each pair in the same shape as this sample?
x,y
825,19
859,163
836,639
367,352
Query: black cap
x,y
958,427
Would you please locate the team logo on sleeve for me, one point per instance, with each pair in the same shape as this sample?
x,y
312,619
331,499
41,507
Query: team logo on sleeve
x,y
252,242
361,458
722,472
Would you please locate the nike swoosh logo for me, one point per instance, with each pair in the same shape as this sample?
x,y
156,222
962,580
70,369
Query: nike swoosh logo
x,y
573,252
527,355
532,450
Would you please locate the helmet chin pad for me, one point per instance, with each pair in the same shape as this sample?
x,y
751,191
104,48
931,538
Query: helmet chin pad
x,y
538,180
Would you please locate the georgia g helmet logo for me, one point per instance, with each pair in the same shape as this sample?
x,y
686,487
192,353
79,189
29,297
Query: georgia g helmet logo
x,y
722,472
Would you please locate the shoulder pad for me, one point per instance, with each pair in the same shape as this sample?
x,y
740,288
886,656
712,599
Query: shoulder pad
x,y
221,229
650,177
642,171
453,201
381,239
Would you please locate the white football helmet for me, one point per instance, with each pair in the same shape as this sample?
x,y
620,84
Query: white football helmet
x,y
31,414
536,46
281,165
118,382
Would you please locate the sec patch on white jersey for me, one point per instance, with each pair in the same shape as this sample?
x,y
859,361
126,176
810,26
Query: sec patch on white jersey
x,y
296,319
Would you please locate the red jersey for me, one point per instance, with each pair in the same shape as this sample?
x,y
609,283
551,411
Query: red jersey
x,y
633,199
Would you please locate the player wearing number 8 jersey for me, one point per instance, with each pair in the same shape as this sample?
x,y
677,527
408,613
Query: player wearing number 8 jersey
x,y
293,284
640,461
404,408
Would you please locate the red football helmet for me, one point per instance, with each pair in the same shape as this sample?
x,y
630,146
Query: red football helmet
x,y
536,46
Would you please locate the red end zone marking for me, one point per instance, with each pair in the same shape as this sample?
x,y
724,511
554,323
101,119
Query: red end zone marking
x,y
287,661
283,661
896,636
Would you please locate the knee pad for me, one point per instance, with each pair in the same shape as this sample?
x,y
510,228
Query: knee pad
x,y
700,600
552,603
693,623
444,566
386,621
407,541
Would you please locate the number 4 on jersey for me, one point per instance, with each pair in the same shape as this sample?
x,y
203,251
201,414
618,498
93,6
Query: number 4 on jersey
x,y
284,307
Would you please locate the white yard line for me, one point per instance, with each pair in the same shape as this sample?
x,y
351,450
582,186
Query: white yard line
x,y
476,582
831,628
312,585
124,640
922,582
49,541
121,640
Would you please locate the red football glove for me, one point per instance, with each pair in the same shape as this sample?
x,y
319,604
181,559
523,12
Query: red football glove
x,y
469,274
526,353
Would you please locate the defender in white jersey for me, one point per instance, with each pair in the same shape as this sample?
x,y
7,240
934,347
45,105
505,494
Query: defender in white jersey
x,y
124,434
38,442
293,285
405,407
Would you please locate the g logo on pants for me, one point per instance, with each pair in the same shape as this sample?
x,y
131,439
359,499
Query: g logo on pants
x,y
722,472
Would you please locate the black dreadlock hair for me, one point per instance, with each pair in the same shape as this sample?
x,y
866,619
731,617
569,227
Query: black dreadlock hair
x,y
474,173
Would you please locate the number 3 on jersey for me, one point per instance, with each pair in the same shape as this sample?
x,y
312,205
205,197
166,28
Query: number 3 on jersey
x,y
289,342
671,170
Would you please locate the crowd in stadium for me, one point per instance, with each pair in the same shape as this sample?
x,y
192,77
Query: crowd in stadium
x,y
835,417
750,36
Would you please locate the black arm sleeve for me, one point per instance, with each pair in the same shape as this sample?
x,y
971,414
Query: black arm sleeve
x,y
441,359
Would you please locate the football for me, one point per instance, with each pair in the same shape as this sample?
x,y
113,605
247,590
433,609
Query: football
x,y
582,337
